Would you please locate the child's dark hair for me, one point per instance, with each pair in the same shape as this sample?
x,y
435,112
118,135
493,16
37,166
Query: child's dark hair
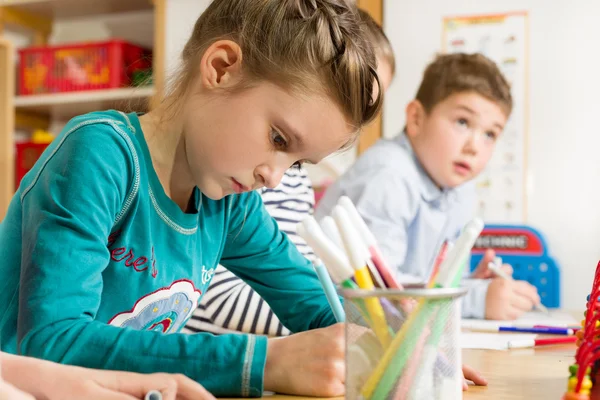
x,y
459,72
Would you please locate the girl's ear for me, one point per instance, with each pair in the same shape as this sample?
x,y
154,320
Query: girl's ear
x,y
221,65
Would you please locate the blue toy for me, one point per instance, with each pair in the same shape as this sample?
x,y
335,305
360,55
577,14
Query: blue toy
x,y
525,249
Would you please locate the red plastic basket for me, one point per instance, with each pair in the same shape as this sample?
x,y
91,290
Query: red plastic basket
x,y
82,66
27,155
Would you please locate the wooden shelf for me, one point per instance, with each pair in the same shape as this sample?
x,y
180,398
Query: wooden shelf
x,y
124,18
67,105
76,8
7,140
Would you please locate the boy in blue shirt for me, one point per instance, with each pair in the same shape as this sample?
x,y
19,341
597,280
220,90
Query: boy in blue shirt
x,y
415,191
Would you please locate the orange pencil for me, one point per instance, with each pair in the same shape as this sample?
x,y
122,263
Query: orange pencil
x,y
438,261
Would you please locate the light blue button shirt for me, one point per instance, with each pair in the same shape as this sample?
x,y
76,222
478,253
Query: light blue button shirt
x,y
406,211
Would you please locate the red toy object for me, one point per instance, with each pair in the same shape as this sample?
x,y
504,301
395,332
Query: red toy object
x,y
83,66
27,154
575,396
580,384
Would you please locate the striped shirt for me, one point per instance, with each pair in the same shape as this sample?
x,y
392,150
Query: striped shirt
x,y
229,304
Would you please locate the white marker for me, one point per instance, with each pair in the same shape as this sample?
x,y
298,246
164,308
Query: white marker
x,y
373,252
330,229
332,256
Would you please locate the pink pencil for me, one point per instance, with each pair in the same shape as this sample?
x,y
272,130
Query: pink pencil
x,y
411,369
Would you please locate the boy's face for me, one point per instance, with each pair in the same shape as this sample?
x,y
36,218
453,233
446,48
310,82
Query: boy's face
x,y
455,140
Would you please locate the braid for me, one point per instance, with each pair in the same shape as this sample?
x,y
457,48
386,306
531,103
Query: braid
x,y
337,17
301,44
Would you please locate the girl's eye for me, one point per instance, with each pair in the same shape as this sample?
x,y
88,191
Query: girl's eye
x,y
278,140
462,122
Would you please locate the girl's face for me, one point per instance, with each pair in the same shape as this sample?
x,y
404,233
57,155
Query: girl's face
x,y
241,141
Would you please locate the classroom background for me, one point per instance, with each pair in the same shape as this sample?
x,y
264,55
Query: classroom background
x,y
557,171
563,168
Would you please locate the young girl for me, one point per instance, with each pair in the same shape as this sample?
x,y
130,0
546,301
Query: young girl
x,y
230,304
114,235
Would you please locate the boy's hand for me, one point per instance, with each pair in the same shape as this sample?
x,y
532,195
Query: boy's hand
x,y
483,272
309,363
508,299
474,376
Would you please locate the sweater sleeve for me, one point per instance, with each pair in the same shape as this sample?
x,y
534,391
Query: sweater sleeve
x,y
69,208
259,253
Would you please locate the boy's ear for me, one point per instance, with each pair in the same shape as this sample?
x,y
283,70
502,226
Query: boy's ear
x,y
415,115
221,65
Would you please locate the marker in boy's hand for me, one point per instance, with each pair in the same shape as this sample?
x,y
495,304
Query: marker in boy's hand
x,y
483,272
308,363
506,299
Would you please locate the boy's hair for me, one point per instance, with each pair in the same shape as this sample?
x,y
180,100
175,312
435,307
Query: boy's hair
x,y
376,35
307,45
459,72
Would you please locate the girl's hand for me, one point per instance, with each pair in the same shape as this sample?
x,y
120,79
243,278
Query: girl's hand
x,y
309,363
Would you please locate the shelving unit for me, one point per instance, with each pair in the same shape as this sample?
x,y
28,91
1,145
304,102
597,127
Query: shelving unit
x,y
36,17
66,105
7,88
76,8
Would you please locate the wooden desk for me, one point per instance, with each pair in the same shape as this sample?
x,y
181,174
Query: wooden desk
x,y
521,374
528,374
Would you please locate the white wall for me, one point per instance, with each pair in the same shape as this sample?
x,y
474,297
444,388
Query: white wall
x,y
564,130
564,198
136,27
180,20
